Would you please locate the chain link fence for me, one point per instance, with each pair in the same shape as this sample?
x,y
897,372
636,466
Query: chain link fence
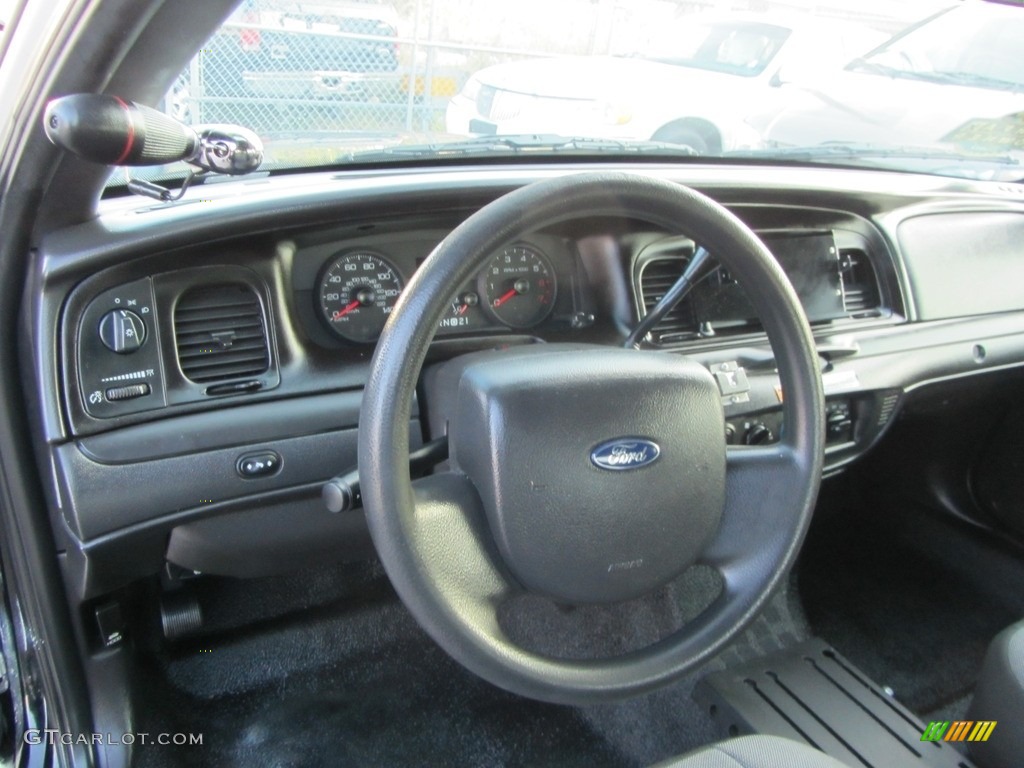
x,y
283,68
280,78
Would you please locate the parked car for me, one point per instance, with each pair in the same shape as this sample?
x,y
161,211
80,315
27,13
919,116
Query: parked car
x,y
955,78
495,451
278,52
692,85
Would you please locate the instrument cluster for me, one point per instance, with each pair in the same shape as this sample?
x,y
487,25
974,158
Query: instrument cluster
x,y
357,287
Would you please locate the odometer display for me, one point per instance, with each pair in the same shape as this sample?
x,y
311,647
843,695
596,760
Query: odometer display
x,y
357,292
518,286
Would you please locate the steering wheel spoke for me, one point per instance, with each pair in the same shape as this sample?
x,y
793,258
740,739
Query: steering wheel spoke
x,y
448,532
762,485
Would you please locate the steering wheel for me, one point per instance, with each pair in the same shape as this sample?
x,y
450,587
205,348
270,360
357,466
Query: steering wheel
x,y
527,507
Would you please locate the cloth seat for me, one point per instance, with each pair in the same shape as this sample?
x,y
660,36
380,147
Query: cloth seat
x,y
999,697
754,752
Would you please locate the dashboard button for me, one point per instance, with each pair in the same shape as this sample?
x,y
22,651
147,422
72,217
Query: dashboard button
x,y
258,464
758,434
127,393
732,379
122,331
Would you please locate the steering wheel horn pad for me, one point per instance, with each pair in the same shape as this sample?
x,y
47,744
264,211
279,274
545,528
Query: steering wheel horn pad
x,y
458,545
525,429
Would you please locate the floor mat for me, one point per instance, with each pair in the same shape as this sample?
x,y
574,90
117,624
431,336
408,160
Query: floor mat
x,y
911,597
327,668
425,711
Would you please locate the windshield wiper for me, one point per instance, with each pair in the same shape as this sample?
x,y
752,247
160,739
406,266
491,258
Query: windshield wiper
x,y
939,77
863,65
972,80
849,151
525,144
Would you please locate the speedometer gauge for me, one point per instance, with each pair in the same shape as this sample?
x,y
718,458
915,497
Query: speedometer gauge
x,y
357,292
519,286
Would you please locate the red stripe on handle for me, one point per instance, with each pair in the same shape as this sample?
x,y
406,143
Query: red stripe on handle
x,y
131,132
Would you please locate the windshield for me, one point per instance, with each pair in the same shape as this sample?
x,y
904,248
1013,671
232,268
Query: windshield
x,y
733,47
916,85
988,54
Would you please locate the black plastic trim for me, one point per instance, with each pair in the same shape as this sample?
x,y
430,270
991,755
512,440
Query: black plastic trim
x,y
269,539
96,501
241,425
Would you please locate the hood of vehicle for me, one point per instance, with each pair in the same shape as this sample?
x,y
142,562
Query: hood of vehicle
x,y
599,77
862,107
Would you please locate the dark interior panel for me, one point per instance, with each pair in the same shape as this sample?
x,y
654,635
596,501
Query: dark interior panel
x,y
938,451
163,476
270,539
187,455
188,486
241,425
998,479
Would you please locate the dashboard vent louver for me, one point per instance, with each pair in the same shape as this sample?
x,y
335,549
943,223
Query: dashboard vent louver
x,y
656,277
220,334
860,284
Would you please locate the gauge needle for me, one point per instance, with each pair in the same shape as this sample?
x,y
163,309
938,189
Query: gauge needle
x,y
511,292
341,313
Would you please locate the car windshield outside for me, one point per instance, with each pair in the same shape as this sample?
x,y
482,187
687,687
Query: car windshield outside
x,y
917,85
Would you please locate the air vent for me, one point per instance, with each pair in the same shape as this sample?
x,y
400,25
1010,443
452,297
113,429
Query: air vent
x,y
220,334
860,285
656,277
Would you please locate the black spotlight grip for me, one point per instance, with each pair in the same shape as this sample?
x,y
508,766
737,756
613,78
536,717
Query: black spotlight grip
x,y
112,131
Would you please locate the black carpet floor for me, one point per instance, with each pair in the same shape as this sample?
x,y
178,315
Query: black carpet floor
x,y
341,676
327,668
910,596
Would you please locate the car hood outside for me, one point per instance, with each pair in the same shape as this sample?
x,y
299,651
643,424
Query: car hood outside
x,y
869,108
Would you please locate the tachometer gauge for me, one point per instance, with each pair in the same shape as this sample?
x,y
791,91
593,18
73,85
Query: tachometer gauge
x,y
518,286
357,292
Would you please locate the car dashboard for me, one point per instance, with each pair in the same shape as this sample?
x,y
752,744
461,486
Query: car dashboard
x,y
206,375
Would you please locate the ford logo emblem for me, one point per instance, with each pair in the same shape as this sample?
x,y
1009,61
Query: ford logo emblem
x,y
625,453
